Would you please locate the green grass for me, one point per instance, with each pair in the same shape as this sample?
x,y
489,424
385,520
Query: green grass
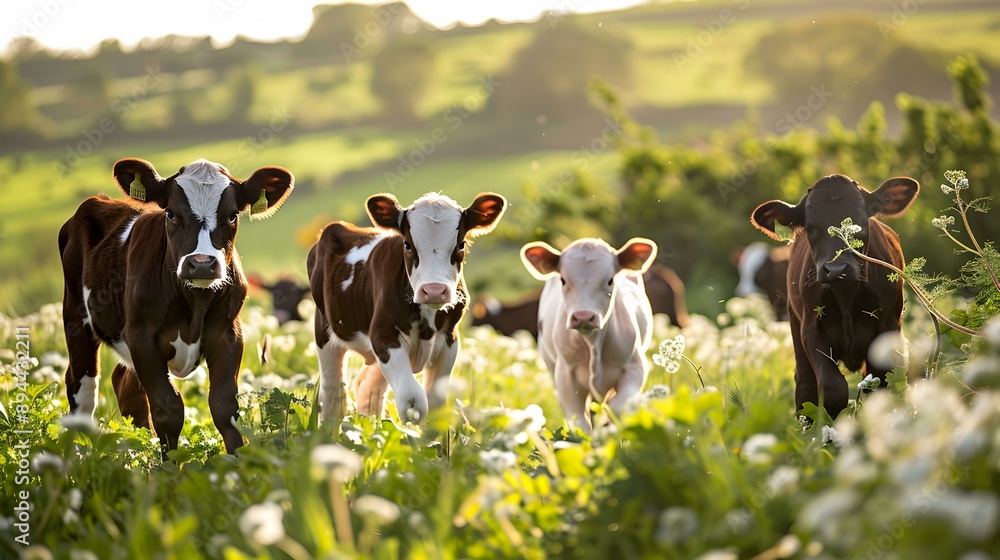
x,y
497,474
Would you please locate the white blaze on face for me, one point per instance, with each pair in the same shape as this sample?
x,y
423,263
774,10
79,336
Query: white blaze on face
x,y
586,267
203,182
434,221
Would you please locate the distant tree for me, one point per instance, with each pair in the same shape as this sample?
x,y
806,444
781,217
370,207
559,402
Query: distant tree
x,y
549,77
16,110
243,83
400,74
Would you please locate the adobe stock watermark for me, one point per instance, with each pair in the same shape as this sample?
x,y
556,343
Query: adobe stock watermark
x,y
713,28
581,159
40,18
426,146
365,34
901,12
818,97
19,408
122,106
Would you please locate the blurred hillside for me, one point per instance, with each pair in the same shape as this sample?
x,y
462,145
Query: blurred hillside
x,y
372,99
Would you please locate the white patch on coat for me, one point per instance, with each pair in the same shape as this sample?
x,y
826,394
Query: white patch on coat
x,y
359,255
128,230
87,320
123,353
186,357
86,397
434,221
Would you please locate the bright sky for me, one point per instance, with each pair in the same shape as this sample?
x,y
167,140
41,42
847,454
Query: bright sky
x,y
82,24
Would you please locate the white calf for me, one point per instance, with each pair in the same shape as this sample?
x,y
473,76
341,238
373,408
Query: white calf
x,y
594,320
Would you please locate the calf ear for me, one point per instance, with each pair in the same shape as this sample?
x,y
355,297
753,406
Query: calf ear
x,y
765,216
893,197
138,179
265,191
540,259
637,254
483,214
385,211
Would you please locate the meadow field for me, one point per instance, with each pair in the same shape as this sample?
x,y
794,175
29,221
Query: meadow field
x,y
669,120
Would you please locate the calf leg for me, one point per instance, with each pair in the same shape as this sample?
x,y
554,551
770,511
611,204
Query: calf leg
x,y
369,389
411,401
632,379
166,407
223,357
572,397
438,372
332,356
806,386
82,374
131,398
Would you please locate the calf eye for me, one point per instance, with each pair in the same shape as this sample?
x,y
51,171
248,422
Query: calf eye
x,y
563,280
234,217
170,214
407,246
611,281
461,246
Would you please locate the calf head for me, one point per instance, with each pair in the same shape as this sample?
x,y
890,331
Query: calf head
x,y
202,204
827,204
588,269
436,232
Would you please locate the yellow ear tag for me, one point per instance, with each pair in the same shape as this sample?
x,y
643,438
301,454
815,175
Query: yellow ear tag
x,y
137,190
261,205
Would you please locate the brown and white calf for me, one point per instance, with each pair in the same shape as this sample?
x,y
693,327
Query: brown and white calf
x,y
838,305
396,295
161,284
594,320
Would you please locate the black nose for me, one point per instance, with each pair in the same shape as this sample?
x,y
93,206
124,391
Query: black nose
x,y
832,271
201,267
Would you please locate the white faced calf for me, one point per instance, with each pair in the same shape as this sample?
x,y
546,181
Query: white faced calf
x,y
594,320
396,295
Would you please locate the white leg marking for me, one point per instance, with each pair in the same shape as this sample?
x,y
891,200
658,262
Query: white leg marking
x,y
87,320
86,397
331,374
122,350
411,401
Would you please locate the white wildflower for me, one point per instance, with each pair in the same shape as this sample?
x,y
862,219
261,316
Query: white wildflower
x,y
670,353
525,422
79,423
947,189
376,509
497,460
44,461
942,222
262,523
962,184
757,448
831,435
335,460
676,525
868,383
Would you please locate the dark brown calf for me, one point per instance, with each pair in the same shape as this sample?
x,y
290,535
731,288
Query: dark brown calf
x,y
162,285
838,305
